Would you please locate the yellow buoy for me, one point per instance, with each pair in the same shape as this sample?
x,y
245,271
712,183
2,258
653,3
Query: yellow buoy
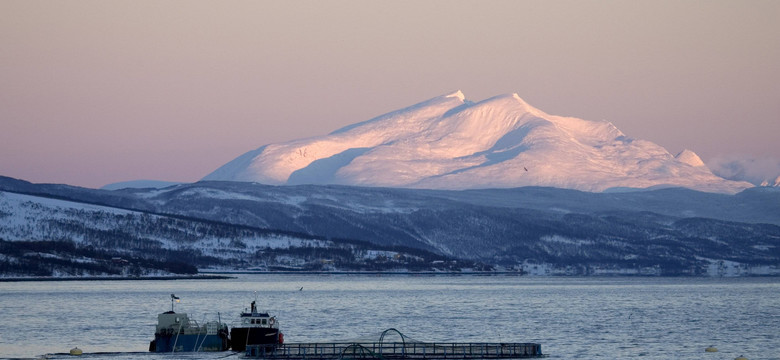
x,y
76,351
741,358
711,349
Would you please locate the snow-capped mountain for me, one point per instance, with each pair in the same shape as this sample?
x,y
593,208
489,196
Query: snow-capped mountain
x,y
449,142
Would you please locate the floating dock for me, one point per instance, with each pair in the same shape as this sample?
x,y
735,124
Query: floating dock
x,y
395,351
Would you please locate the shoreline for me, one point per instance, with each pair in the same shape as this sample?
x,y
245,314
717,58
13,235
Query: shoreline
x,y
103,278
223,275
293,272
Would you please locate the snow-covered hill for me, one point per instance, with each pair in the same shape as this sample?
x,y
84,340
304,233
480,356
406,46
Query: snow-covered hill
x,y
449,142
28,217
242,225
50,236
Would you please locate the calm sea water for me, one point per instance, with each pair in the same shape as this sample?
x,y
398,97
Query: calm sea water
x,y
573,318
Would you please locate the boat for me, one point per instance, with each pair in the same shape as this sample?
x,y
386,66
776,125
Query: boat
x,y
256,329
176,332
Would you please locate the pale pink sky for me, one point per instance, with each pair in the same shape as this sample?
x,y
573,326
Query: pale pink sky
x,y
95,92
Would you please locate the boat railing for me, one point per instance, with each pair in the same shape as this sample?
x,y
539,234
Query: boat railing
x,y
212,328
193,326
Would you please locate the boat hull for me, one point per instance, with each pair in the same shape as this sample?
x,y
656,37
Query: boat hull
x,y
189,342
243,336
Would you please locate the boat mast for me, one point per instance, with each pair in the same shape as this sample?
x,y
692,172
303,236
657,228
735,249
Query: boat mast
x,y
174,298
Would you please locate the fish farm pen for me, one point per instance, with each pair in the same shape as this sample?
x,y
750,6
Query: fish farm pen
x,y
399,350
396,351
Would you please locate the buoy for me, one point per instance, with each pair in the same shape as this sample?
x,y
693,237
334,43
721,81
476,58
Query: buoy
x,y
76,351
711,349
741,358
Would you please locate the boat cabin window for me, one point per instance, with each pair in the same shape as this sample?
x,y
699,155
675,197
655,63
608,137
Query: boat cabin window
x,y
264,321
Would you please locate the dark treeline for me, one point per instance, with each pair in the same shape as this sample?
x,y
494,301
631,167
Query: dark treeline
x,y
66,258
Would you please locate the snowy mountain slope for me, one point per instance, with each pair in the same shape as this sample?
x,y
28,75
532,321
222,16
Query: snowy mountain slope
x,y
673,229
450,143
26,217
45,236
508,226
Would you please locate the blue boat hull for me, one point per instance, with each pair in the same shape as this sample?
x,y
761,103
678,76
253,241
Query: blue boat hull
x,y
170,343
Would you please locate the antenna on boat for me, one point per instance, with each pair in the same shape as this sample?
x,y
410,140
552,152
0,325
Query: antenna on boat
x,y
174,298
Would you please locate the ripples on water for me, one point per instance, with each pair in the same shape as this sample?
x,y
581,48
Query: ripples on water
x,y
573,318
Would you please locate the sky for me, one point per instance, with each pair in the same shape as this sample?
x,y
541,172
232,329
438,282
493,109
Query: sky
x,y
97,92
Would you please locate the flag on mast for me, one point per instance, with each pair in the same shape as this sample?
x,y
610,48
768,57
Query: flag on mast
x,y
174,297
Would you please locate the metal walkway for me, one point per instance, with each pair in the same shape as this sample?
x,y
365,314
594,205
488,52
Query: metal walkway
x,y
395,351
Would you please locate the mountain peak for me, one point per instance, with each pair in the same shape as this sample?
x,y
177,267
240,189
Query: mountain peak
x,y
518,98
689,157
448,142
511,102
458,94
